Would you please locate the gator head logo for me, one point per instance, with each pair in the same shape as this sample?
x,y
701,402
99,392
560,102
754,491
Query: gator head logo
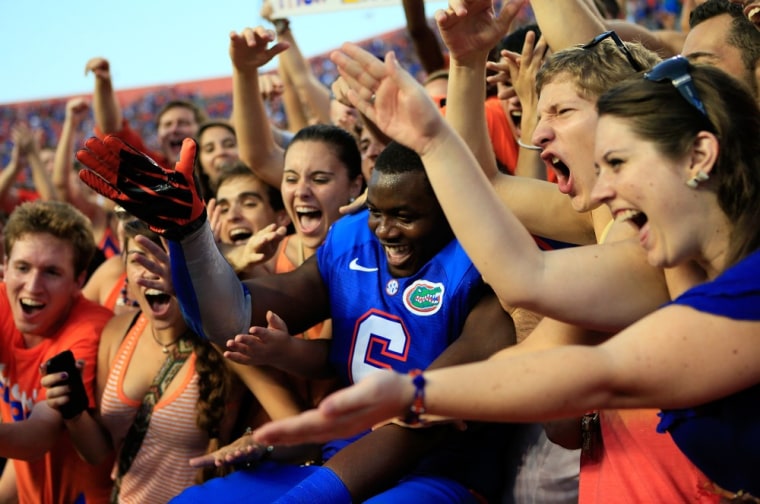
x,y
424,297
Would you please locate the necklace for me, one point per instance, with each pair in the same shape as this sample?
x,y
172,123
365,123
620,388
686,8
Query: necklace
x,y
164,348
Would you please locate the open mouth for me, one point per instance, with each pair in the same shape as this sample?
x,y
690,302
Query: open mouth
x,y
157,300
240,235
560,168
753,14
309,219
635,217
516,117
397,255
30,307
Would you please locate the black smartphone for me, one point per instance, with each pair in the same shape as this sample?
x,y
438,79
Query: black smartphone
x,y
64,361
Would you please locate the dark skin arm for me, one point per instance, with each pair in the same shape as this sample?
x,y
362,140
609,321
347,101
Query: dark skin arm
x,y
423,37
396,450
298,297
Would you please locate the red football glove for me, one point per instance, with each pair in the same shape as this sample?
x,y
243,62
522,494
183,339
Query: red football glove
x,y
167,200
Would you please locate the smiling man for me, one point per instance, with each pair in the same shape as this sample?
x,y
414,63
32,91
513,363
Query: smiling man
x,y
48,246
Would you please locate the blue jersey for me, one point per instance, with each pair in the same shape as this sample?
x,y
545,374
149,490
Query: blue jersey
x,y
383,322
722,438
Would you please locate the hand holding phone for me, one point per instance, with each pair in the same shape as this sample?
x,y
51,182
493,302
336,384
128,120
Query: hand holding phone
x,y
64,362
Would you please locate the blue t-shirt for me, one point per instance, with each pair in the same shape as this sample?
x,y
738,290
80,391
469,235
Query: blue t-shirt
x,y
722,438
383,322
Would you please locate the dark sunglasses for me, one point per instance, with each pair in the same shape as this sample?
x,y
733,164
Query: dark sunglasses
x,y
676,70
619,43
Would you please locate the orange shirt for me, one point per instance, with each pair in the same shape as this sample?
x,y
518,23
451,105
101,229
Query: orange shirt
x,y
637,464
504,144
60,475
503,141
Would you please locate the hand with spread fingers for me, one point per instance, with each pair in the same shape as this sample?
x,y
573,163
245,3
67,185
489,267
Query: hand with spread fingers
x,y
471,28
262,345
389,96
167,200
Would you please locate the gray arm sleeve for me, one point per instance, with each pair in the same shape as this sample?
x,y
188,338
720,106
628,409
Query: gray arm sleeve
x,y
213,301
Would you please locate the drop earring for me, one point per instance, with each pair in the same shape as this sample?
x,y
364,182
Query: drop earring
x,y
694,181
123,299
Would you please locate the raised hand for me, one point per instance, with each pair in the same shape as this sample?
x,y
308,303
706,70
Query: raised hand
x,y
157,262
214,213
389,97
520,71
23,137
259,248
77,109
167,200
378,397
471,28
262,345
249,49
99,67
270,86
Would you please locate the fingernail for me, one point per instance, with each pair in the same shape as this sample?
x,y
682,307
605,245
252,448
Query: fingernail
x,y
64,375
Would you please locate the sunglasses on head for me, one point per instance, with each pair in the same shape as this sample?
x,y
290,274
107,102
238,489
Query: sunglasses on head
x,y
676,70
620,45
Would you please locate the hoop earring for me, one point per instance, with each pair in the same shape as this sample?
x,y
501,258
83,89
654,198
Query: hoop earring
x,y
694,181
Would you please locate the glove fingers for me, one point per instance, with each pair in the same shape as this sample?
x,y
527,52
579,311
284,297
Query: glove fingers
x,y
186,162
98,184
97,157
109,151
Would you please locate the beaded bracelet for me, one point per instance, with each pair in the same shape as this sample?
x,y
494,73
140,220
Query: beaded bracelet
x,y
418,405
529,147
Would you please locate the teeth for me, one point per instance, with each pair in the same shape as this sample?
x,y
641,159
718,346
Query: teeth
x,y
31,303
240,233
306,210
396,250
753,11
555,160
626,215
153,292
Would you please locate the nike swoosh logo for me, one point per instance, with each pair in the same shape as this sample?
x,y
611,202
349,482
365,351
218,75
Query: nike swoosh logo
x,y
354,265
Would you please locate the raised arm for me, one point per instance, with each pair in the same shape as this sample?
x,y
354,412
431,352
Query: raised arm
x,y
28,140
249,50
105,106
470,35
11,170
429,51
570,22
312,93
294,112
76,111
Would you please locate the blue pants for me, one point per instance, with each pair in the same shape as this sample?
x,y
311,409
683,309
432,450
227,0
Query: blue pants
x,y
272,482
